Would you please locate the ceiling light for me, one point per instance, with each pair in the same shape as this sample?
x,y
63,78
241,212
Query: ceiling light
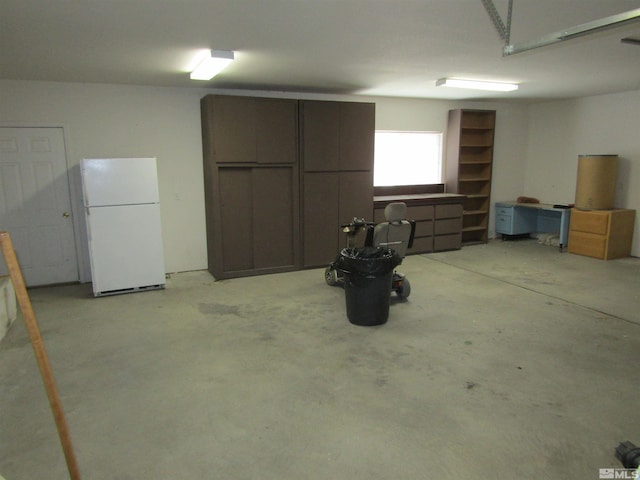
x,y
477,84
212,65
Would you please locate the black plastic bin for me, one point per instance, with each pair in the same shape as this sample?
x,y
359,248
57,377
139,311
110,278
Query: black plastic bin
x,y
368,273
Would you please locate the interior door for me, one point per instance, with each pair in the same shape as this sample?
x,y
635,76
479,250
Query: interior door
x,y
35,205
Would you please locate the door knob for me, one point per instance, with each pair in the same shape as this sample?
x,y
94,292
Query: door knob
x,y
65,214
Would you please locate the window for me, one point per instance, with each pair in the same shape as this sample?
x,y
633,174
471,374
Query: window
x,y
407,158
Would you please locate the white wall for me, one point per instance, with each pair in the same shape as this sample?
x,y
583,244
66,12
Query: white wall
x,y
129,121
536,146
560,131
126,121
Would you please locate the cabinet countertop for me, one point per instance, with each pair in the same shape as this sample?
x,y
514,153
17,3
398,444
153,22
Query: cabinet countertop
x,y
419,198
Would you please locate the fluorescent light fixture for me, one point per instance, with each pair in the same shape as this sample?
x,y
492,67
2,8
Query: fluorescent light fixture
x,y
477,84
212,65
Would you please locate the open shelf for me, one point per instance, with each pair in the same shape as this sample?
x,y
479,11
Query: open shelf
x,y
474,212
477,119
470,139
477,179
475,228
476,195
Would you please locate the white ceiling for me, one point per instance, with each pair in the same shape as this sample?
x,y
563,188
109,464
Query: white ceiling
x,y
372,47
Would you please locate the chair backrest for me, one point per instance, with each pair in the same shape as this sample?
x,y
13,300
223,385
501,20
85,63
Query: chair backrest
x,y
397,232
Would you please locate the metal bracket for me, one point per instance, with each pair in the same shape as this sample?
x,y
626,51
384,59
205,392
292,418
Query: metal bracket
x,y
568,33
573,32
503,30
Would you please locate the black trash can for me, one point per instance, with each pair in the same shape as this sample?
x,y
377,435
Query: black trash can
x,y
368,273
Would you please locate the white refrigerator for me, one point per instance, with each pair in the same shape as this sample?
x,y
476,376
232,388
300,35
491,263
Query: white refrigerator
x,y
122,210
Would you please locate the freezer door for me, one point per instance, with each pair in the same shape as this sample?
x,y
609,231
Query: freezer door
x,y
125,245
119,181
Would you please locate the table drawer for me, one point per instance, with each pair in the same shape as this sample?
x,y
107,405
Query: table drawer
x,y
589,221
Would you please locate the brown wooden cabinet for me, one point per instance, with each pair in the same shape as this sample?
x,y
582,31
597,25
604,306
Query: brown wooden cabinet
x,y
336,141
447,227
469,159
251,185
604,234
438,219
321,201
281,175
251,130
337,136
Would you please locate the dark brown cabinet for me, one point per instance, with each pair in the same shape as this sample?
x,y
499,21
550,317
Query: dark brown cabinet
x,y
257,235
251,185
470,135
337,136
251,130
438,219
337,140
321,201
319,136
281,175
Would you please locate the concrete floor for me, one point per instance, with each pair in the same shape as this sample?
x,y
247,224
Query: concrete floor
x,y
510,360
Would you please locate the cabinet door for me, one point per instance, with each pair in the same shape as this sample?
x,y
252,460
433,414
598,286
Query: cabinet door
x,y
356,200
321,228
356,196
357,132
234,129
275,217
320,130
276,130
236,220
258,218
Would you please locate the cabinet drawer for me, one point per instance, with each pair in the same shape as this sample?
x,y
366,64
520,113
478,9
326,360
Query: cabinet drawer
x,y
448,211
450,225
447,242
416,212
424,228
420,212
587,244
589,222
422,245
